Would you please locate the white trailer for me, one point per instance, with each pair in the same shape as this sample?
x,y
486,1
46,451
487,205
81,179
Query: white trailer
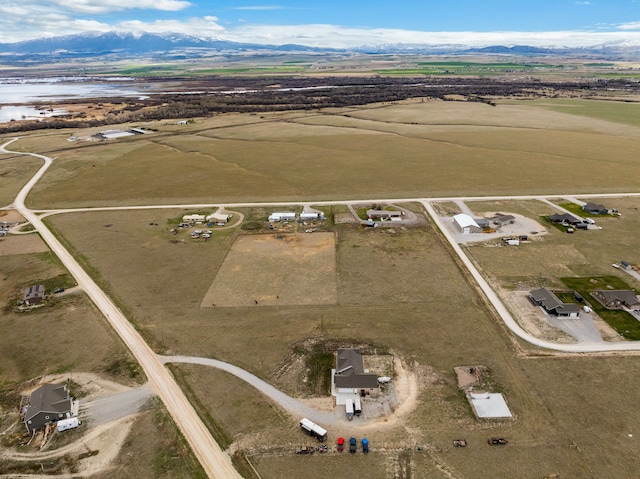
x,y
66,424
348,407
312,429
357,407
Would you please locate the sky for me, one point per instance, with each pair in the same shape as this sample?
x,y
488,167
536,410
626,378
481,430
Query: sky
x,y
336,23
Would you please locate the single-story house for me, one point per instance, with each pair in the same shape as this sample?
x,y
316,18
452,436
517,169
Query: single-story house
x,y
503,220
564,218
595,208
466,224
34,294
552,304
385,214
350,375
218,218
616,298
48,403
282,216
194,218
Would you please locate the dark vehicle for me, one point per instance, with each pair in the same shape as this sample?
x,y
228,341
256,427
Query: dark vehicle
x,y
322,448
58,290
460,442
497,441
353,444
365,445
340,444
304,450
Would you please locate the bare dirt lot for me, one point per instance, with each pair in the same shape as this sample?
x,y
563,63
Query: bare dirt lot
x,y
266,270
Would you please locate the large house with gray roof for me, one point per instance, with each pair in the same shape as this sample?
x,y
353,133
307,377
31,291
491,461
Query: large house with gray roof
x,y
48,403
616,298
552,304
350,375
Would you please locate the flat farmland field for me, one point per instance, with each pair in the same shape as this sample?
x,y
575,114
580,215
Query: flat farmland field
x,y
398,291
409,149
15,171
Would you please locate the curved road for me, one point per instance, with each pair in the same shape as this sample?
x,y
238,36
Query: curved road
x,y
215,462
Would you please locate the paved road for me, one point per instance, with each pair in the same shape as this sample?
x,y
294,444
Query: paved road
x,y
215,462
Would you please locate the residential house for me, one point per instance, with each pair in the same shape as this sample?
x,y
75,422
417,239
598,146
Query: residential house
x,y
503,220
595,208
564,218
48,403
616,298
34,294
384,214
552,304
350,375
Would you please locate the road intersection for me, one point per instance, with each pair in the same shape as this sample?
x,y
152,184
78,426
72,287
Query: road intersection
x,y
215,462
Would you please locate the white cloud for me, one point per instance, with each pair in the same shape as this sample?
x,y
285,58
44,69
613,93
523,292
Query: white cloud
x,y
583,3
629,26
29,19
107,6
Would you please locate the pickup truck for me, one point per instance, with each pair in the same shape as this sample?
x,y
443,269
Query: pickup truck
x,y
353,444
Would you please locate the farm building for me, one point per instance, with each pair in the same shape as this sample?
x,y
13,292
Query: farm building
x,y
552,304
311,215
595,208
194,218
482,222
48,403
384,214
34,294
282,216
113,134
616,298
503,220
564,218
489,405
218,218
466,224
350,375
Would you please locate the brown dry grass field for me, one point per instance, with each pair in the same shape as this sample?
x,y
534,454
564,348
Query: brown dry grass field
x,y
399,290
15,171
409,149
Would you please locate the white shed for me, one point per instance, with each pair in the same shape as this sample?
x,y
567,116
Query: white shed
x,y
282,216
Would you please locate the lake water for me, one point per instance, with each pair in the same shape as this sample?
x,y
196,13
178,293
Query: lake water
x,y
40,90
30,90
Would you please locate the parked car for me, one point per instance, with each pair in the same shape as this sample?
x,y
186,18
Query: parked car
x,y
58,290
353,444
304,450
365,445
340,444
497,441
